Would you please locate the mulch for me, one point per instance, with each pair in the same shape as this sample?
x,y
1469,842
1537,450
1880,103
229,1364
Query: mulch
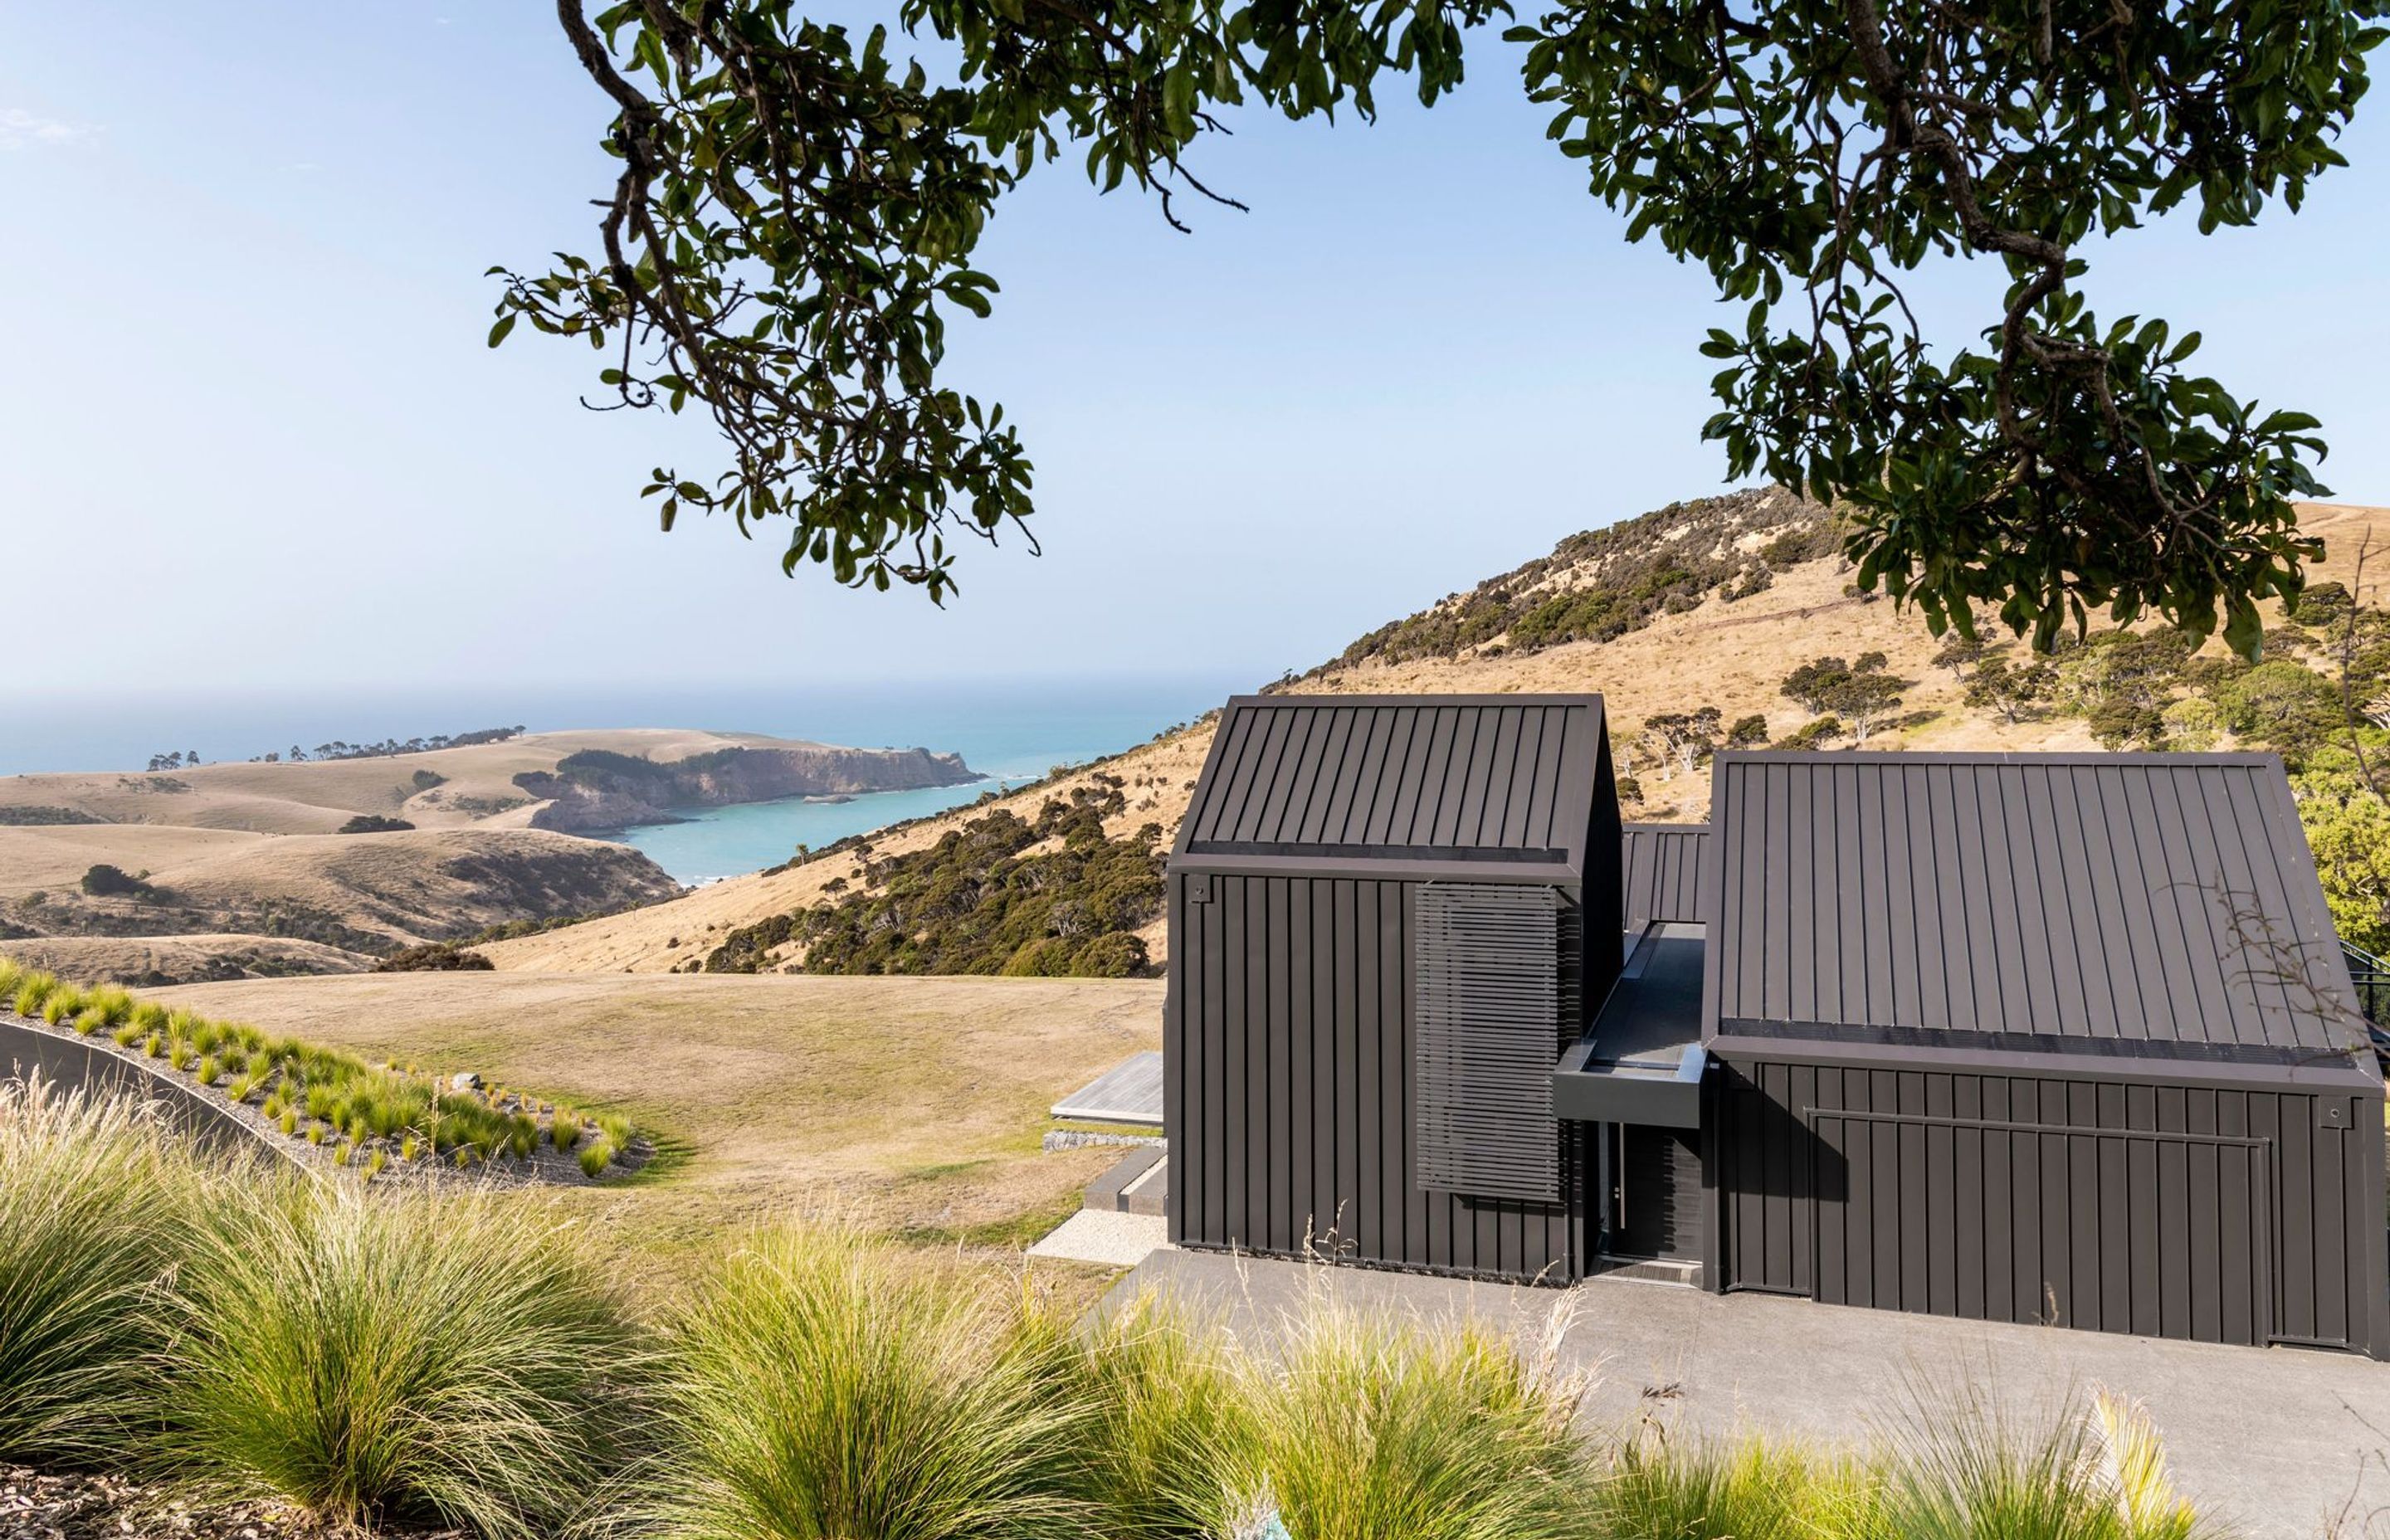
x,y
38,1506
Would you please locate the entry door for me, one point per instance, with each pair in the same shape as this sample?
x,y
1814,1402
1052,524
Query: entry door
x,y
2157,1234
1658,1203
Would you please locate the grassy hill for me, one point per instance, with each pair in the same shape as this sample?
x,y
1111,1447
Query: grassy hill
x,y
1707,604
261,868
921,1099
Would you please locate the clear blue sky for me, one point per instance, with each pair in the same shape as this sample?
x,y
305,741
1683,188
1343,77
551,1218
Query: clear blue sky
x,y
252,439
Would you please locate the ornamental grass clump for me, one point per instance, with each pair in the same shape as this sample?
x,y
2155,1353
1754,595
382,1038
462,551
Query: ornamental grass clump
x,y
413,1358
1966,1466
109,1005
1657,1488
63,1002
32,990
97,1203
1171,1428
823,1388
1370,1427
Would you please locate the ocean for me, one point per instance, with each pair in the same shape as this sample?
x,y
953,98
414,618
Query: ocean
x,y
1010,732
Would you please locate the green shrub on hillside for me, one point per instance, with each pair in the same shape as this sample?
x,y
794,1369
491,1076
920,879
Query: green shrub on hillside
x,y
2286,704
105,881
1603,584
1056,897
2348,829
374,823
41,817
439,957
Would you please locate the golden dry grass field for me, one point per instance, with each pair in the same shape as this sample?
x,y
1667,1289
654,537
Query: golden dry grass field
x,y
921,1099
249,850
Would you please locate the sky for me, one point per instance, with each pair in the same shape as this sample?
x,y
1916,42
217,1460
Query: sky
x,y
253,442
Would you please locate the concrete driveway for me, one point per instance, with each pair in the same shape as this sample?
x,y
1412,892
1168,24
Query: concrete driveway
x,y
2285,1444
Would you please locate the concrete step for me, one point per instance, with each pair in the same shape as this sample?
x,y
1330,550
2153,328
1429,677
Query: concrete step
x,y
1138,1182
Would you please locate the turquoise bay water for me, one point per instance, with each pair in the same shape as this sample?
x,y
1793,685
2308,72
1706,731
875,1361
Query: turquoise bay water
x,y
727,841
1009,731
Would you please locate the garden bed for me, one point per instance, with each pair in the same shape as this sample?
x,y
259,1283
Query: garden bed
x,y
378,1121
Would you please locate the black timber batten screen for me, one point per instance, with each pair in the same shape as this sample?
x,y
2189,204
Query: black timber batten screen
x,y
1379,913
1494,973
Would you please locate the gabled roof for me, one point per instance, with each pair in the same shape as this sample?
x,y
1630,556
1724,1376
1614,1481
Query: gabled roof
x,y
1491,785
2143,905
1662,867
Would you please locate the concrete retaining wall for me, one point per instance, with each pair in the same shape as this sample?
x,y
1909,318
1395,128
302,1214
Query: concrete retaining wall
x,y
74,1063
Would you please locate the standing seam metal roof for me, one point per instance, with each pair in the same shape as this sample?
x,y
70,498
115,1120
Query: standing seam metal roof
x,y
2147,902
1431,777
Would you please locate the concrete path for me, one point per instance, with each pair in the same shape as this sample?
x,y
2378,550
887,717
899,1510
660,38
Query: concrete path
x,y
2285,1444
1115,1240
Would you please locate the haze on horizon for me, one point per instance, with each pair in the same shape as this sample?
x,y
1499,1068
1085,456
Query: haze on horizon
x,y
255,442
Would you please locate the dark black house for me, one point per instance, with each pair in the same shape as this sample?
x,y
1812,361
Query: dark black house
x,y
2062,1038
1386,917
2039,1038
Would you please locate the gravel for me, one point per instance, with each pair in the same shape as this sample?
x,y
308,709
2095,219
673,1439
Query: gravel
x,y
38,1506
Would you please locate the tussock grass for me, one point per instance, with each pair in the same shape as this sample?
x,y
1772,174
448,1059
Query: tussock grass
x,y
33,989
823,1388
397,1358
465,1359
97,1204
112,1006
1960,1467
1169,1426
1371,1426
1965,1466
1752,1489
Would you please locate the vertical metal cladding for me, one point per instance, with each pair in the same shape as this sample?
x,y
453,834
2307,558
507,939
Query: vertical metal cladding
x,y
1292,1031
1291,1090
1662,871
2212,1211
2039,1038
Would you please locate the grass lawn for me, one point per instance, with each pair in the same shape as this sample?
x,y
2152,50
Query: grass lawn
x,y
917,1101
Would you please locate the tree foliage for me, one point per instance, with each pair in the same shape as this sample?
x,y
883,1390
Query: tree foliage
x,y
1860,695
796,212
1053,896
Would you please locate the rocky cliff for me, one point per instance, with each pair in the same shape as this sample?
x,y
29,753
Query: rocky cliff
x,y
597,792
